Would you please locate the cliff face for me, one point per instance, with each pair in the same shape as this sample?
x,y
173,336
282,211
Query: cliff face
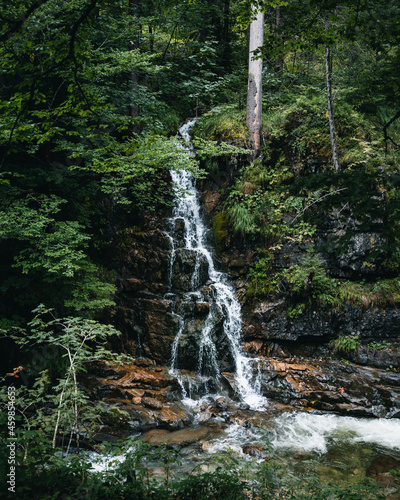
x,y
267,320
298,367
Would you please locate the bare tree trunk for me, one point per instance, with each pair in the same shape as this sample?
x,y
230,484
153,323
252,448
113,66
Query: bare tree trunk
x,y
332,129
133,107
226,37
254,90
279,21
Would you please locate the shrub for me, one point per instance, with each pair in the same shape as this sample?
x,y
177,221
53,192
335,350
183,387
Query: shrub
x,y
345,343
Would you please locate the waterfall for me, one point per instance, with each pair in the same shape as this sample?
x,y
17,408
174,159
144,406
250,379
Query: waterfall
x,y
209,285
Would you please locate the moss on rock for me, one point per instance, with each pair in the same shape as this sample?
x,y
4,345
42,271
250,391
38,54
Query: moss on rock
x,y
220,231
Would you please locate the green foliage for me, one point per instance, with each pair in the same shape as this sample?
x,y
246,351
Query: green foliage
x,y
309,279
384,345
223,123
212,149
345,343
90,290
61,408
294,311
260,205
54,247
44,476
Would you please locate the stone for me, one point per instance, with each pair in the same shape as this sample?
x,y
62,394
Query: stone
x,y
202,308
330,386
173,417
268,321
185,263
152,403
181,437
256,451
222,404
179,232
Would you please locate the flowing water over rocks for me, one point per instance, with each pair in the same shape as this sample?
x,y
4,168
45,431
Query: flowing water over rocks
x,y
196,386
210,328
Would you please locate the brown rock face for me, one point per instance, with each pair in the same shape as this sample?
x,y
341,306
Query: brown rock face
x,y
331,386
152,403
183,268
144,393
182,437
160,326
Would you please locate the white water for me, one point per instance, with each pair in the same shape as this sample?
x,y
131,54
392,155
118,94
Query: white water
x,y
187,207
308,432
292,433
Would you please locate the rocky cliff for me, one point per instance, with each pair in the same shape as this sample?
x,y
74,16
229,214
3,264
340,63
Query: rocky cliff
x,y
298,366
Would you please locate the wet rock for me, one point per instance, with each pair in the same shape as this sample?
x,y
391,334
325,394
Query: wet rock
x,y
182,437
330,386
129,381
159,325
174,416
381,465
202,308
256,451
179,233
222,404
190,269
152,403
211,200
366,355
268,321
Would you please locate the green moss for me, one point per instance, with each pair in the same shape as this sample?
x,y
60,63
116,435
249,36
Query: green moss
x,y
220,232
226,123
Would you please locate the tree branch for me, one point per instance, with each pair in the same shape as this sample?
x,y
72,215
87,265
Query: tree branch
x,y
316,201
76,26
385,127
17,24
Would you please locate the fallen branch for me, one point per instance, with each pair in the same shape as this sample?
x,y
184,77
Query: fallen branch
x,y
316,201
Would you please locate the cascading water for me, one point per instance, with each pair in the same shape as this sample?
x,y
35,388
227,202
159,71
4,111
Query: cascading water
x,y
223,304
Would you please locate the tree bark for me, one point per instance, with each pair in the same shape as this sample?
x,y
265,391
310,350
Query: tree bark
x,y
254,90
133,107
226,37
332,128
279,22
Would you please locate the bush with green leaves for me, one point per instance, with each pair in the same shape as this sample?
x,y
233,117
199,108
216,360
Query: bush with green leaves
x,y
59,408
345,343
309,280
260,205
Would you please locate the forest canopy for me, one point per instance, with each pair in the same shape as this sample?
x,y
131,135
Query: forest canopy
x,y
92,93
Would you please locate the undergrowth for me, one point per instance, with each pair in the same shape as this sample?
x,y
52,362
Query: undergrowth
x,y
308,283
345,343
227,477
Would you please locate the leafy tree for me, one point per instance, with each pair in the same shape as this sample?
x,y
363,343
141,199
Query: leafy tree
x,y
61,407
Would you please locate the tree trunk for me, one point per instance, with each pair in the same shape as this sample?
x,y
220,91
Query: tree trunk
x,y
226,37
254,90
332,129
133,107
279,21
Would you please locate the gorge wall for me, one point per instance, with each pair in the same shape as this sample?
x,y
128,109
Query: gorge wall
x,y
297,367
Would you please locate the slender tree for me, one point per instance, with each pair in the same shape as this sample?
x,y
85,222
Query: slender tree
x,y
254,90
332,129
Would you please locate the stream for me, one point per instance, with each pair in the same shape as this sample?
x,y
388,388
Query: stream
x,y
208,343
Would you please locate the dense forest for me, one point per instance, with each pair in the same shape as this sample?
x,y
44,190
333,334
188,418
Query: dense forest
x,y
92,93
